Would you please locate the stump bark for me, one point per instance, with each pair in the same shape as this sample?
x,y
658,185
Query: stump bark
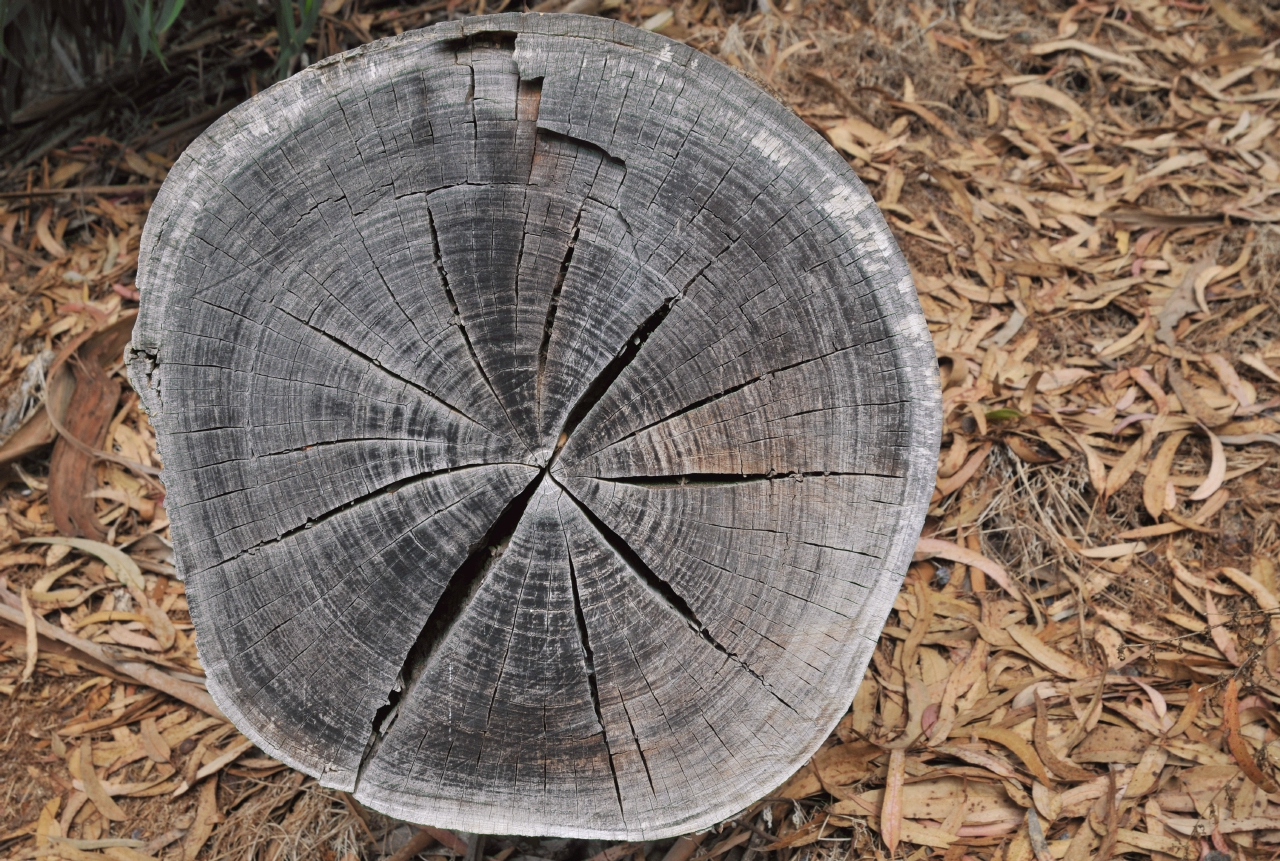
x,y
548,420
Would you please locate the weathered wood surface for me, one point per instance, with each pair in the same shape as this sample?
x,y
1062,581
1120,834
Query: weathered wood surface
x,y
548,420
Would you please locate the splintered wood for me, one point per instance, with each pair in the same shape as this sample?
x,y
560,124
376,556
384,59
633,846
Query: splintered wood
x,y
548,421
1082,663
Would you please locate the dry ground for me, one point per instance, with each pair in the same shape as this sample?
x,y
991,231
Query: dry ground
x,y
1083,662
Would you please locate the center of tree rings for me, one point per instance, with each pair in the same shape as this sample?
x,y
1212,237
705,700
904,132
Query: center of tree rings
x,y
548,420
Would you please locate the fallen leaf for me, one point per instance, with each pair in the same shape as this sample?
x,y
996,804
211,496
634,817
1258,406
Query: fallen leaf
x,y
33,640
1114,551
1055,380
1127,342
1026,452
1059,765
1149,385
1192,402
1256,362
55,248
1035,836
1011,740
1197,827
967,25
1235,741
47,824
1047,656
1106,744
1235,19
206,817
132,639
1094,51
1154,843
1222,638
220,762
1230,380
930,547
891,808
139,165
1153,489
1097,470
81,401
844,764
950,485
997,765
1217,470
125,569
126,853
160,626
1147,773
1126,466
157,749
1057,98
93,786
1183,300
1268,603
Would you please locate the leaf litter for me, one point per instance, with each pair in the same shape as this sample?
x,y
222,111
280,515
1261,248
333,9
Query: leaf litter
x,y
1083,660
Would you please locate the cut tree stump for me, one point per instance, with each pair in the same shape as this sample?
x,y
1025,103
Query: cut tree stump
x,y
548,420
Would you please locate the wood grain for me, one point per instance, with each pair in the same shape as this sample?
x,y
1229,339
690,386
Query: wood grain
x,y
548,419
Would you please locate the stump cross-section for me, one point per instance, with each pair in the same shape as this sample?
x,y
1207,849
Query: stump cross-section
x,y
548,420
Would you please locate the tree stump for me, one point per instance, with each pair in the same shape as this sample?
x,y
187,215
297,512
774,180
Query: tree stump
x,y
548,420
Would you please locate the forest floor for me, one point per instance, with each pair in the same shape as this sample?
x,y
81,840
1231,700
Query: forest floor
x,y
1083,662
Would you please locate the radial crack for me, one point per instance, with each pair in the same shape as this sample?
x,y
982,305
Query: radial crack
x,y
545,347
450,608
589,657
594,392
715,479
375,363
644,760
462,328
528,103
384,490
663,590
709,399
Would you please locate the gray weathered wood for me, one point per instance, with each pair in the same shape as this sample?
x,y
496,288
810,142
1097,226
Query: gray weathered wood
x,y
548,420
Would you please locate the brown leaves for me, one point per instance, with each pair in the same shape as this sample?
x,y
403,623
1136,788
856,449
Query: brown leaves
x,y
1235,742
1193,403
93,786
1055,97
1015,744
1059,765
1217,470
1047,656
1084,319
90,402
206,817
1155,492
48,241
935,547
891,807
153,743
1066,247
844,764
962,475
29,620
1235,19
